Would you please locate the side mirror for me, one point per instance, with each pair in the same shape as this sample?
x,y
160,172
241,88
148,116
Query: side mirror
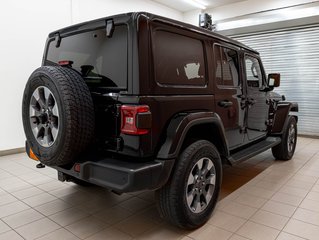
x,y
274,79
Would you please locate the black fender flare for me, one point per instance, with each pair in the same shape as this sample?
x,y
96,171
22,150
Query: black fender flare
x,y
283,112
179,127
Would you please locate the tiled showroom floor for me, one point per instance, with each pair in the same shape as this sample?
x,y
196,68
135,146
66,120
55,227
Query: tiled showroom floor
x,y
274,200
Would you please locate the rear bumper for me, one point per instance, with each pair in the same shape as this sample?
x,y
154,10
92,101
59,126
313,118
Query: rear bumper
x,y
121,176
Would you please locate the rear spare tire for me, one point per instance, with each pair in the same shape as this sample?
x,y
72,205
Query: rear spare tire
x,y
58,114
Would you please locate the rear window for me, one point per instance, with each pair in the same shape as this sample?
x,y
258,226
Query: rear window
x,y
102,61
178,59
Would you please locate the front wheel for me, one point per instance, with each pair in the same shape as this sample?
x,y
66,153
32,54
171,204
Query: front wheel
x,y
189,197
286,149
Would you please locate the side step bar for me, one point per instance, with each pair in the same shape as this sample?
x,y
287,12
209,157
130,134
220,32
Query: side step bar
x,y
254,150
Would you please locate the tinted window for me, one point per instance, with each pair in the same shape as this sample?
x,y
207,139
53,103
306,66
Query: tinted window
x,y
102,61
253,72
226,62
179,60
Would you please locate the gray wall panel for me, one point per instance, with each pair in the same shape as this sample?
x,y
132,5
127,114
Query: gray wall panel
x,y
295,54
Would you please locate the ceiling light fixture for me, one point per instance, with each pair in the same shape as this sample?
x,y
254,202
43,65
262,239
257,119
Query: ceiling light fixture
x,y
196,3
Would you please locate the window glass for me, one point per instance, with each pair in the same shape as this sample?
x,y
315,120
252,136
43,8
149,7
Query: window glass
x,y
226,60
253,72
102,61
178,60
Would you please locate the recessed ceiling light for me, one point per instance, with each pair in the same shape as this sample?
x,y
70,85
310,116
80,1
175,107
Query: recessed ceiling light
x,y
196,3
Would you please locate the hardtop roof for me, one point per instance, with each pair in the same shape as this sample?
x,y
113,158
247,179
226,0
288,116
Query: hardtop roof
x,y
133,16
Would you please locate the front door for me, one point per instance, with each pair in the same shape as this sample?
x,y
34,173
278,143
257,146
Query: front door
x,y
229,94
257,107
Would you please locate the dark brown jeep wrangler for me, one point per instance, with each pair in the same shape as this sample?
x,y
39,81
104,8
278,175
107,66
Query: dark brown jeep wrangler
x,y
137,101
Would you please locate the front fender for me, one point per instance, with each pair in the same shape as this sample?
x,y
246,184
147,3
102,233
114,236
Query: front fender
x,y
282,114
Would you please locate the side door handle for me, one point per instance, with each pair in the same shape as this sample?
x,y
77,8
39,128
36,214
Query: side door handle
x,y
251,101
225,104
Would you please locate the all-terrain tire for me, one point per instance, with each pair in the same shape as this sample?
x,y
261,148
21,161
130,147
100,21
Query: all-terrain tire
x,y
172,198
286,149
73,126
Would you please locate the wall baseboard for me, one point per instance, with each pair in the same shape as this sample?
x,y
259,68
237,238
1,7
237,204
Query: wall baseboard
x,y
12,151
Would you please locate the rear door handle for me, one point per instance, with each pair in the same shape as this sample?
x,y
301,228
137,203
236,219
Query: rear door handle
x,y
225,104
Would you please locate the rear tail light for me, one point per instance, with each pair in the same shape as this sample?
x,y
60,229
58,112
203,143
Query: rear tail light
x,y
65,63
136,119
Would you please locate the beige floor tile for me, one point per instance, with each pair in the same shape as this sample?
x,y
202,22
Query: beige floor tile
x,y
40,180
279,208
186,238
287,236
305,178
287,199
135,204
12,208
239,210
251,201
52,207
39,199
110,233
4,227
7,198
22,218
136,225
258,192
76,198
166,232
298,192
50,186
2,192
147,196
86,227
4,175
113,215
307,216
61,192
60,234
95,205
299,184
302,229
25,193
11,187
269,185
207,231
315,188
309,172
256,231
11,235
37,229
310,205
153,213
313,196
226,221
68,216
237,237
269,219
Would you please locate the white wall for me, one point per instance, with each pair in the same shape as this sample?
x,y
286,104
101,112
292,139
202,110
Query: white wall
x,y
242,8
91,9
24,26
252,6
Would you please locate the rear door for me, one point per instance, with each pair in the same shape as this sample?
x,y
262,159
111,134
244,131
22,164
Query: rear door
x,y
229,93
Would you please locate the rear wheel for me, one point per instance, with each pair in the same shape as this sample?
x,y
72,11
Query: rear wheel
x,y
189,197
286,149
